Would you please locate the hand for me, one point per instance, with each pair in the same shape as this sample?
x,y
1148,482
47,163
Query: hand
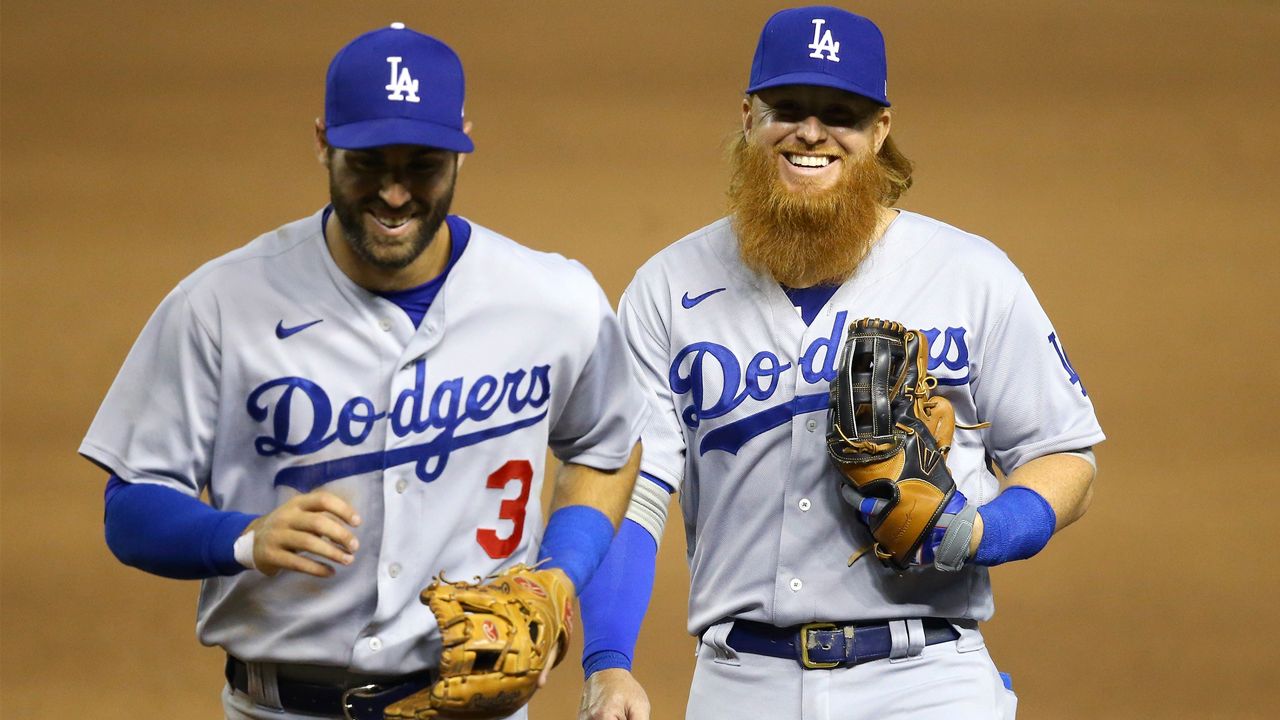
x,y
967,530
613,694
315,523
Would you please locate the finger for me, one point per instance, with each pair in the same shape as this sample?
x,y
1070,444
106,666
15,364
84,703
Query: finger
x,y
323,524
298,541
639,712
324,500
278,560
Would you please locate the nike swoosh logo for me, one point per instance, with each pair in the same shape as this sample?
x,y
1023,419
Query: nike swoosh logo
x,y
689,302
283,332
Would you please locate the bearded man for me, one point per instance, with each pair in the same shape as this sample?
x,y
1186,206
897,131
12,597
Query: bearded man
x,y
366,415
736,331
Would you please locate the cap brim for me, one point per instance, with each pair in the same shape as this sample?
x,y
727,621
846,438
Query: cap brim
x,y
820,79
397,131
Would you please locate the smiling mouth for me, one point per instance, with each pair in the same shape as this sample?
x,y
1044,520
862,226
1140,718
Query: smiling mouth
x,y
809,161
390,223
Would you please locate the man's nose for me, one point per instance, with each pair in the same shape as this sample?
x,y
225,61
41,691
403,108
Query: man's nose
x,y
394,193
811,131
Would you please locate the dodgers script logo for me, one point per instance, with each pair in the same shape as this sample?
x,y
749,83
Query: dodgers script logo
x,y
822,42
302,421
704,365
402,86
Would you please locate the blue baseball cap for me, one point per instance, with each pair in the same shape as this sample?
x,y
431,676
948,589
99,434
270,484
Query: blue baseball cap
x,y
821,45
395,86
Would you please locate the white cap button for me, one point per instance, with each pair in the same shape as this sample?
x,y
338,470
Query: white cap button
x,y
397,26
805,504
796,584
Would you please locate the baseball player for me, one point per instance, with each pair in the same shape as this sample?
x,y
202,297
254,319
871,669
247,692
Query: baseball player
x,y
367,396
737,330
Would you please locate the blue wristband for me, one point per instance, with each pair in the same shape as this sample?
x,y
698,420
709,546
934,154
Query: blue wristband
x,y
165,532
614,604
576,540
1015,526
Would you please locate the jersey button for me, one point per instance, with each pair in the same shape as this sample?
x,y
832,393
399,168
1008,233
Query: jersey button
x,y
805,504
375,644
385,324
812,424
402,485
394,570
796,584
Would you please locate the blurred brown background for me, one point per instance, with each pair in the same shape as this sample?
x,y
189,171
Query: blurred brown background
x,y
1125,154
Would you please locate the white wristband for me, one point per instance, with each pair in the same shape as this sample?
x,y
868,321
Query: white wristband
x,y
243,550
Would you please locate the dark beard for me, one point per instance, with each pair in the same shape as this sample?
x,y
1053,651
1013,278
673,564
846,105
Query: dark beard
x,y
351,217
808,237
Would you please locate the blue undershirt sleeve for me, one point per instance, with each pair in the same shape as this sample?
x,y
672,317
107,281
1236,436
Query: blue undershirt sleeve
x,y
614,604
168,533
576,539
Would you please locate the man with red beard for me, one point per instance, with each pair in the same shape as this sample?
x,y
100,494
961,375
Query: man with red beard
x,y
736,331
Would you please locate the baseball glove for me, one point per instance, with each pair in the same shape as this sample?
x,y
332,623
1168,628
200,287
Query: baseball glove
x,y
889,435
498,637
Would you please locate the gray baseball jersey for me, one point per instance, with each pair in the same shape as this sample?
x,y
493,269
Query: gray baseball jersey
x,y
268,372
741,384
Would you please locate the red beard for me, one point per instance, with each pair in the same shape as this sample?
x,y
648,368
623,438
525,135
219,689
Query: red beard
x,y
809,236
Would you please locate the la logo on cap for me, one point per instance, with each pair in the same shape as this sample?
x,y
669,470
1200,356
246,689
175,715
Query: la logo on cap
x,y
403,86
822,42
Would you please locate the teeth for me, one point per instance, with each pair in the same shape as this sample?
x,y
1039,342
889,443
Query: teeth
x,y
391,222
815,161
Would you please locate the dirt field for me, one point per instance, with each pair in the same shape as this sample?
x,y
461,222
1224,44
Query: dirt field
x,y
1125,155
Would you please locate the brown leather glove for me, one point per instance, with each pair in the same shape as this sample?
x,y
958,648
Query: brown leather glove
x,y
889,435
498,636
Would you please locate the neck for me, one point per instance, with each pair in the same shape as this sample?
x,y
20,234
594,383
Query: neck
x,y
374,278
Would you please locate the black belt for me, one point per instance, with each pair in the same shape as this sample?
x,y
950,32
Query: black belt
x,y
828,645
360,699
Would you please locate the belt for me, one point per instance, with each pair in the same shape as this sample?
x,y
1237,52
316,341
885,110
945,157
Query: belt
x,y
828,645
361,699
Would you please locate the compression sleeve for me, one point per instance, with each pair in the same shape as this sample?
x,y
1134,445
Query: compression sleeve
x,y
576,540
1016,525
614,604
168,533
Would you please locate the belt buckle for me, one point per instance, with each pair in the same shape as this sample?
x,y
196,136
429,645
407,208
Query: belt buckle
x,y
804,646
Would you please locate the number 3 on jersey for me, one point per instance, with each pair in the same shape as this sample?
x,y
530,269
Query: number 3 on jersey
x,y
513,509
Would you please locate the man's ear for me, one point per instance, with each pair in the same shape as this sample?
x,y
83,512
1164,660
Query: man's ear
x,y
466,130
747,120
881,132
322,144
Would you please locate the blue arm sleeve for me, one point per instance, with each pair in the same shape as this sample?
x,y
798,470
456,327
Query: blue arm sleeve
x,y
168,533
614,604
1015,525
576,539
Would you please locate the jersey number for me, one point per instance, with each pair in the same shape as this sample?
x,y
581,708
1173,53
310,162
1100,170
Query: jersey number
x,y
513,510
